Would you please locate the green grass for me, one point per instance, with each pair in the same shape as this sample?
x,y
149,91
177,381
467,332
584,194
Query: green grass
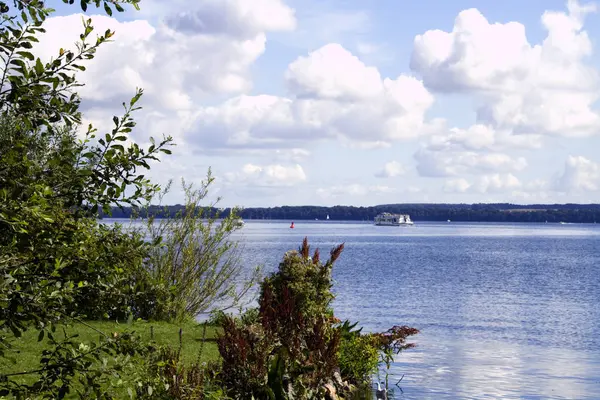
x,y
27,350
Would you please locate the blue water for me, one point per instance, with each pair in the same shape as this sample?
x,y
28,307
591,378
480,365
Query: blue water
x,y
505,310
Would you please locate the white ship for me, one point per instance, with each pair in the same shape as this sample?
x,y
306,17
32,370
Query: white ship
x,y
238,223
387,219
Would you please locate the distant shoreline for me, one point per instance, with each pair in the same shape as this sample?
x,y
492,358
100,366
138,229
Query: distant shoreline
x,y
537,213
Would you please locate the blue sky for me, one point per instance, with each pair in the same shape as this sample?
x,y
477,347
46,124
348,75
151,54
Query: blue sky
x,y
336,101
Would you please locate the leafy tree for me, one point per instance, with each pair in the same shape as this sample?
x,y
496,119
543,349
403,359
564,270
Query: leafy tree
x,y
56,263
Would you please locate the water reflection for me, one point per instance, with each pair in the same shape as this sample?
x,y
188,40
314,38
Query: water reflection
x,y
468,369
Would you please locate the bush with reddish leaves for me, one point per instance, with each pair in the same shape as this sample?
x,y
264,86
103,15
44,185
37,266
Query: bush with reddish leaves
x,y
296,348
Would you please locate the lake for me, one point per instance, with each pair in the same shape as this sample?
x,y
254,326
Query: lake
x,y
505,310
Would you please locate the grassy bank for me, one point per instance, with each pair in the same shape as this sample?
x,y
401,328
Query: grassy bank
x,y
27,349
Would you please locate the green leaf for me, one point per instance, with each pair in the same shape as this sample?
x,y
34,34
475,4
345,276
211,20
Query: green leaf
x,y
26,55
15,331
108,9
84,5
18,62
39,67
41,336
135,98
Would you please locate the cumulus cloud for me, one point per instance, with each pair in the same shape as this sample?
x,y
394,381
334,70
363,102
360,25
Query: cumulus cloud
x,y
333,95
492,183
524,92
458,185
203,52
482,137
354,189
498,183
448,163
391,170
580,175
333,73
267,175
544,88
236,18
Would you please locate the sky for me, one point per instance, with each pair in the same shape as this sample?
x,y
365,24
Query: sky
x,y
327,102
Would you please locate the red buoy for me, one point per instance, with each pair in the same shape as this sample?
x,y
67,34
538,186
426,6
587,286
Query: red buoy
x,y
292,225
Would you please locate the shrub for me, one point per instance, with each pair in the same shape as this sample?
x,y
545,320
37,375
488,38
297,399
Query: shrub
x,y
245,351
166,377
358,355
194,256
291,350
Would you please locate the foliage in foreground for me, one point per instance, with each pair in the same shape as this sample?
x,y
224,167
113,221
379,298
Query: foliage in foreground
x,y
194,257
58,265
294,348
290,347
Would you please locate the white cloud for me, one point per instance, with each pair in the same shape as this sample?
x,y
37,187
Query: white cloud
x,y
524,91
333,73
354,189
498,183
580,175
452,163
493,183
482,137
295,155
267,175
333,96
167,63
391,170
529,89
203,52
478,149
458,185
237,18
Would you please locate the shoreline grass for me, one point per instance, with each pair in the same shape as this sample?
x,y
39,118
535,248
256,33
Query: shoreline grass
x,y
27,350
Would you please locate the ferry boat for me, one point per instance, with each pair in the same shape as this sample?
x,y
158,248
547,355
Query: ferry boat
x,y
239,223
388,219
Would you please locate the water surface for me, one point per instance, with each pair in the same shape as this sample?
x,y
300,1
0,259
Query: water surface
x,y
505,310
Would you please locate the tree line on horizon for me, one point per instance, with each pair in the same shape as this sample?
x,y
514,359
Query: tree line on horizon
x,y
499,212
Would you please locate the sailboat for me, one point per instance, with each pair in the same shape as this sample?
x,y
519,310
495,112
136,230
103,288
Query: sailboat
x,y
327,217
